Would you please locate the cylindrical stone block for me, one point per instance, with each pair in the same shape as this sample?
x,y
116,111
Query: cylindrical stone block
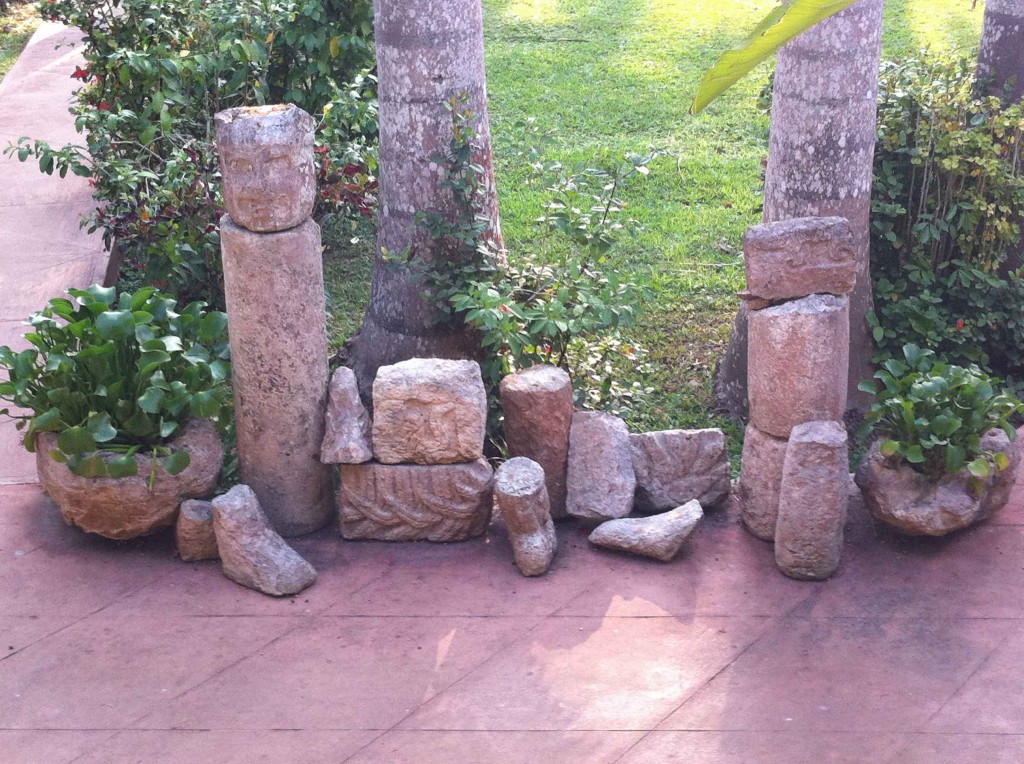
x,y
812,501
194,531
760,482
798,361
522,496
266,159
537,403
273,285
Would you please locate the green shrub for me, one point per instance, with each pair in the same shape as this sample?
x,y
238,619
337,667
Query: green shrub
x,y
946,212
933,415
123,373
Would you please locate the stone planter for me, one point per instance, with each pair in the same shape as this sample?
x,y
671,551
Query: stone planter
x,y
919,506
123,508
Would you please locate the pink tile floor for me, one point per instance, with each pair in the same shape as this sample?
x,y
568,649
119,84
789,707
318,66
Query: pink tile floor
x,y
118,652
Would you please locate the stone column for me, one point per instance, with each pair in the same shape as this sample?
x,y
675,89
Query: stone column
x,y
273,285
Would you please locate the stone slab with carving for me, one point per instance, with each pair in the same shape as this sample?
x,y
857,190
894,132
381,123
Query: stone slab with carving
x,y
658,536
800,257
798,363
252,553
601,481
522,498
347,429
429,411
537,403
760,482
813,501
412,502
194,534
674,466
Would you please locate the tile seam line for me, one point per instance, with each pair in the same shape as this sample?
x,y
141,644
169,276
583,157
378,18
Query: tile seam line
x,y
490,730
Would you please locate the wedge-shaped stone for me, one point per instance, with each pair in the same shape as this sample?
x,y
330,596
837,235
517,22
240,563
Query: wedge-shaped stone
x,y
194,532
798,360
658,536
800,257
812,501
761,481
522,497
537,403
429,411
409,502
601,481
252,553
347,425
674,466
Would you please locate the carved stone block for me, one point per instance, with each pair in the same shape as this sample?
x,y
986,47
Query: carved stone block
x,y
601,481
800,257
761,481
675,466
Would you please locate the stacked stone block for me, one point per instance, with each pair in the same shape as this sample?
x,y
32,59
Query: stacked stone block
x,y
799,276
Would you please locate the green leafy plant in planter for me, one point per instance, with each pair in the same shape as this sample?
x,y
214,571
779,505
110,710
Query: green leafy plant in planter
x,y
118,373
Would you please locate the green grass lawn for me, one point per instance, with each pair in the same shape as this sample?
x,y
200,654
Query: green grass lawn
x,y
616,76
16,27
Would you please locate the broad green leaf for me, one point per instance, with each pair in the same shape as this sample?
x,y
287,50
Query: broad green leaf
x,y
205,404
780,26
90,467
980,468
115,324
123,466
1002,461
914,455
100,428
889,448
48,421
150,400
177,462
76,440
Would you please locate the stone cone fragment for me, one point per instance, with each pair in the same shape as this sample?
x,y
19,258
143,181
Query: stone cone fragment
x,y
798,257
537,403
522,497
658,536
194,532
798,360
601,481
409,502
347,426
760,482
429,411
674,466
813,501
251,551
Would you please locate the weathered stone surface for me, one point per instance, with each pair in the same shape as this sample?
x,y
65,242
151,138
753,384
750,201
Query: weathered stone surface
x,y
600,480
761,481
674,466
813,501
798,358
429,411
123,508
537,403
273,285
409,502
251,551
913,504
522,497
800,257
658,536
194,532
266,159
347,429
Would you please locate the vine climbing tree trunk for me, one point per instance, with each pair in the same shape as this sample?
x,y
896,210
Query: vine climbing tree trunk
x,y
820,160
428,52
1001,55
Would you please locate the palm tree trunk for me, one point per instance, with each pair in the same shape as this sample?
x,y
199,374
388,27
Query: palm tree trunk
x,y
1001,55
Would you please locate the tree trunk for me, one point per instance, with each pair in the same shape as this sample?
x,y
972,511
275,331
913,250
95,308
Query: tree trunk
x,y
428,51
1001,56
820,159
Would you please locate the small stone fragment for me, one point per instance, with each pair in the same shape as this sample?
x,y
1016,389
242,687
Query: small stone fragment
x,y
429,411
347,429
522,497
813,501
410,502
537,403
658,536
600,481
761,481
798,359
252,553
194,531
800,257
674,466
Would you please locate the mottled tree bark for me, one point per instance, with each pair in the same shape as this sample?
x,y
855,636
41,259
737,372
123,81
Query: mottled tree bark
x,y
820,158
1001,56
428,51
